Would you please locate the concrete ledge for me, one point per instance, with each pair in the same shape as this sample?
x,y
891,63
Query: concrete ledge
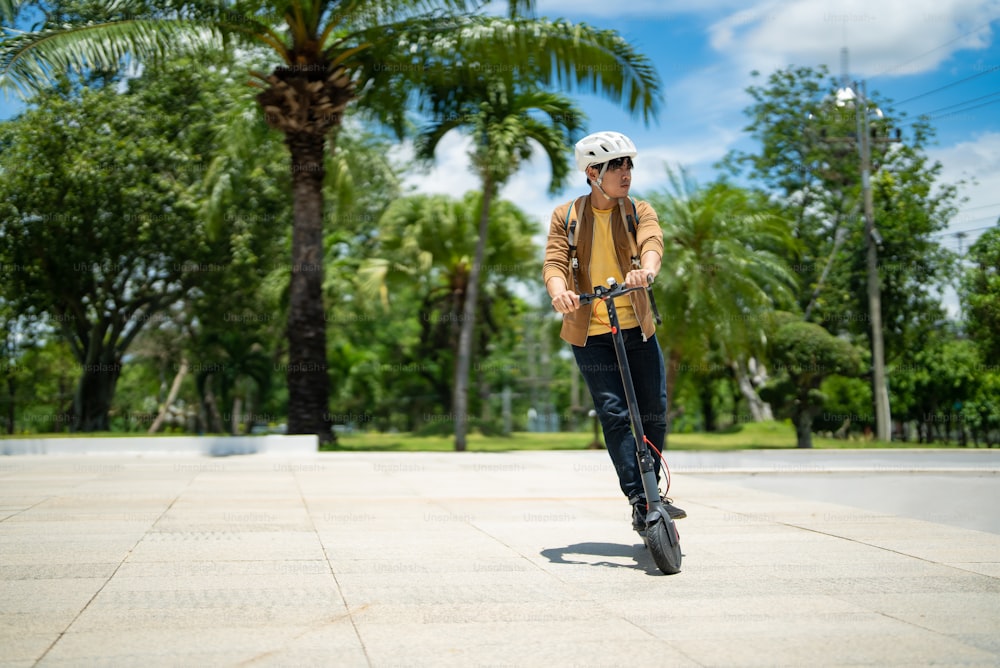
x,y
212,446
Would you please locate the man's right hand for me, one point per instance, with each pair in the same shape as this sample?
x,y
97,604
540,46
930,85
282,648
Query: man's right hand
x,y
566,301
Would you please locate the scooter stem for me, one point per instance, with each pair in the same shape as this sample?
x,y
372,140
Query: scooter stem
x,y
647,465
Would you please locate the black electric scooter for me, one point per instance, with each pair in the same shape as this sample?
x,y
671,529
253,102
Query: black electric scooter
x,y
660,537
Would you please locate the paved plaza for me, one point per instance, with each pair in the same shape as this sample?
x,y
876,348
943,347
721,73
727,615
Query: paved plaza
x,y
822,558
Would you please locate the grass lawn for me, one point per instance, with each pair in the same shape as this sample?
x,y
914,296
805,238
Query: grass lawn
x,y
770,435
752,436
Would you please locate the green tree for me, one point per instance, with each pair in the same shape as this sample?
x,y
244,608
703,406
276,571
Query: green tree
x,y
111,186
804,354
933,389
375,54
981,412
100,228
426,247
723,272
504,123
980,293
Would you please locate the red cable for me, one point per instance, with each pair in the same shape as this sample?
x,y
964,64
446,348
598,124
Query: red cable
x,y
664,461
598,317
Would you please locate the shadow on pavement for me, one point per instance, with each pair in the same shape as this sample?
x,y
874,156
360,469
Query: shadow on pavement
x,y
638,553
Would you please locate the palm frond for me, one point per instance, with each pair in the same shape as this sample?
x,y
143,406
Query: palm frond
x,y
8,10
458,52
29,60
572,55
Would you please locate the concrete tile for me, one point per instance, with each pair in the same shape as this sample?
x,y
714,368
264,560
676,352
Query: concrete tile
x,y
24,648
214,644
50,622
213,545
608,642
260,569
55,571
945,612
28,596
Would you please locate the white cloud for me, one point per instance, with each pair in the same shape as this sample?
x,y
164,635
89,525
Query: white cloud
x,y
451,172
890,38
978,162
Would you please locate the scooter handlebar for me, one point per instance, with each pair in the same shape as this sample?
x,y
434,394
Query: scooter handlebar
x,y
613,291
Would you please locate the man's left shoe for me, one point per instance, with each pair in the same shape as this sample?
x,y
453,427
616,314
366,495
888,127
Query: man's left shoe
x,y
639,511
672,510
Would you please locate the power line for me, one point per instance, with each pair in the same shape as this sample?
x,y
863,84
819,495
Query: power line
x,y
953,83
971,229
961,111
936,48
981,206
959,104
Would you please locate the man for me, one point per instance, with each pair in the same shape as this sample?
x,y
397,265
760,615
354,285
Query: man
x,y
601,235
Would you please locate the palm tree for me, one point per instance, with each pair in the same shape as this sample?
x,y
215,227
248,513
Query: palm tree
x,y
722,273
503,121
375,54
427,243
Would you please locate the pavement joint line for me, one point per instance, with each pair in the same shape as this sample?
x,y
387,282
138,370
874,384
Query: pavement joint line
x,y
883,548
110,577
333,572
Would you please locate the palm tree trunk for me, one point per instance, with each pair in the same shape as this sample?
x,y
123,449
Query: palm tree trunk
x,y
308,383
460,400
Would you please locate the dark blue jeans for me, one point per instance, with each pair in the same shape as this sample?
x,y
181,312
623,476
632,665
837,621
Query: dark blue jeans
x,y
599,365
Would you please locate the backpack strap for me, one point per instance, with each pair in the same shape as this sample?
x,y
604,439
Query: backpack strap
x,y
632,226
570,225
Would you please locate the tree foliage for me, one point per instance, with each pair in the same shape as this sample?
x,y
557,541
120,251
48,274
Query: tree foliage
x,y
981,294
426,245
804,354
724,272
808,160
102,194
505,122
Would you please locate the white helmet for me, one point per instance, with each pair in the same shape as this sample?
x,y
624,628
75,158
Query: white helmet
x,y
603,146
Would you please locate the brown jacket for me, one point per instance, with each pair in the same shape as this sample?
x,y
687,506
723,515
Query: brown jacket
x,y
649,236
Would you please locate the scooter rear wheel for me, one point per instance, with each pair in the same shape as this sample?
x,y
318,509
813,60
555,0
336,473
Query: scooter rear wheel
x,y
664,544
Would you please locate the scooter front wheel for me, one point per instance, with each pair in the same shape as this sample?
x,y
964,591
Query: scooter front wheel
x,y
665,545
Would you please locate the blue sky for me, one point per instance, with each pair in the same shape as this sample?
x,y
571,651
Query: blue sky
x,y
705,51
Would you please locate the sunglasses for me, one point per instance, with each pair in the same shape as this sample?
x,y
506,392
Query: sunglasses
x,y
616,164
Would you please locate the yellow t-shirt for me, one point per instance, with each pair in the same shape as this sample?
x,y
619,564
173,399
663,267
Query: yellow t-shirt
x,y
604,264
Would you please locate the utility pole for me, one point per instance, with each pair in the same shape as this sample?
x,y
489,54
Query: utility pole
x,y
864,138
880,391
